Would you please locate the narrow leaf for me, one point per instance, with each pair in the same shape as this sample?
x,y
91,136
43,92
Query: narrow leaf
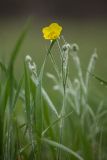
x,y
50,103
62,147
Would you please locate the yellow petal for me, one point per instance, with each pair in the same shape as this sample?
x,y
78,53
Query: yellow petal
x,y
51,32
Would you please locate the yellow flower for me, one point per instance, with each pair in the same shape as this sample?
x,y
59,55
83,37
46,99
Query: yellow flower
x,y
52,32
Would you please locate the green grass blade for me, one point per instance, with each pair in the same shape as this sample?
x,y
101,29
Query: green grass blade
x,y
49,102
62,147
3,106
27,93
18,45
4,98
17,92
48,52
102,81
3,67
55,122
39,104
51,131
14,55
51,45
39,120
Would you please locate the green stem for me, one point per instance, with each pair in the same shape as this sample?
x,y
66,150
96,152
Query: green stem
x,y
61,125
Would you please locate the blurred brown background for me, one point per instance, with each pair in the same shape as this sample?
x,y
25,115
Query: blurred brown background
x,y
60,8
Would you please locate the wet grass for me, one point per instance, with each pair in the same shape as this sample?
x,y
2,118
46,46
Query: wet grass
x,y
59,116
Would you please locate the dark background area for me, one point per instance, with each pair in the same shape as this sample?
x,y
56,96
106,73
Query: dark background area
x,y
64,8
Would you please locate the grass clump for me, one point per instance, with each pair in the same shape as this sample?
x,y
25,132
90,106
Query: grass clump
x,y
33,127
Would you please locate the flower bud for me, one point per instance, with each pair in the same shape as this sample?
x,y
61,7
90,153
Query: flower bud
x,y
28,58
75,47
66,47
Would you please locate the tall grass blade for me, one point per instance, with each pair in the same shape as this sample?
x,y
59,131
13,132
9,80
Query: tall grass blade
x,y
18,90
55,122
3,67
50,103
62,147
18,45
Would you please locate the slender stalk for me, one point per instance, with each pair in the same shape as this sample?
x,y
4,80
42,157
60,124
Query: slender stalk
x,y
64,73
55,65
61,125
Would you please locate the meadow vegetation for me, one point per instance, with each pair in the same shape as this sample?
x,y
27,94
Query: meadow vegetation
x,y
33,124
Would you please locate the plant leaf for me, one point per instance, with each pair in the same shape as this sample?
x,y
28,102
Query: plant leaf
x,y
62,147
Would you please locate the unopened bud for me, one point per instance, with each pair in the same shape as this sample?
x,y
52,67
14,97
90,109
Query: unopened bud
x,y
28,58
66,47
75,47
